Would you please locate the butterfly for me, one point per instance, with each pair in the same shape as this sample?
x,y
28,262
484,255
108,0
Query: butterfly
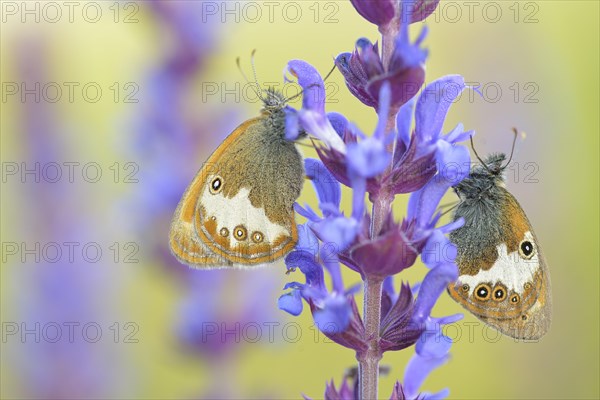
x,y
503,277
238,210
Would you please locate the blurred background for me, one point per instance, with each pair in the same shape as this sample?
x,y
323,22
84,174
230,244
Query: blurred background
x,y
110,108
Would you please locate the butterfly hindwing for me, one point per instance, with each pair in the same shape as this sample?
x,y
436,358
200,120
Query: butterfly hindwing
x,y
503,277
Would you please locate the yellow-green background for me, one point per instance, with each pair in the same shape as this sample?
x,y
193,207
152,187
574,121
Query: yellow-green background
x,y
559,53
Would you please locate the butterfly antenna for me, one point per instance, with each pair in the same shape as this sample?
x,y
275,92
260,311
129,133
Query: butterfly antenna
x,y
304,144
512,150
450,209
237,61
477,155
329,73
254,73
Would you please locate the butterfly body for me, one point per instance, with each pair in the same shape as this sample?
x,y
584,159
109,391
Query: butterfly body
x,y
239,207
503,277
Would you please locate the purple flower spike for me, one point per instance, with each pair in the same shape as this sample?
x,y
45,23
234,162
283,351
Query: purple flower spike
x,y
378,12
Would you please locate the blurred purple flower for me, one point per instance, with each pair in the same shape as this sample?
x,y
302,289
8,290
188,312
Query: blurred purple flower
x,y
170,143
57,298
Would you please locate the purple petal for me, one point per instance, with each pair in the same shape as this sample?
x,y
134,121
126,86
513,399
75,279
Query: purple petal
x,y
292,125
307,241
327,187
405,83
453,162
312,116
312,270
433,344
291,302
435,282
359,189
330,259
333,316
414,169
423,203
383,111
355,77
339,123
441,395
451,226
313,97
417,370
306,212
450,319
433,105
318,125
353,336
458,134
403,125
337,231
366,58
378,12
367,158
438,250
408,55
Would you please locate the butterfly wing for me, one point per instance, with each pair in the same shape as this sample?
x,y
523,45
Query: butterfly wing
x,y
239,208
503,277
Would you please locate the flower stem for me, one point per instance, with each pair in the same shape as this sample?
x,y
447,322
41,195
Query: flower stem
x,y
369,361
382,204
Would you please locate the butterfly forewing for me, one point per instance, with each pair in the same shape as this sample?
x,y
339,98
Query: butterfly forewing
x,y
240,203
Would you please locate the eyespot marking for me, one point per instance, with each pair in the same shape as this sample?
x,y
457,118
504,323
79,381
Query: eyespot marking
x,y
515,298
482,292
240,232
216,185
499,293
257,237
526,249
224,232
